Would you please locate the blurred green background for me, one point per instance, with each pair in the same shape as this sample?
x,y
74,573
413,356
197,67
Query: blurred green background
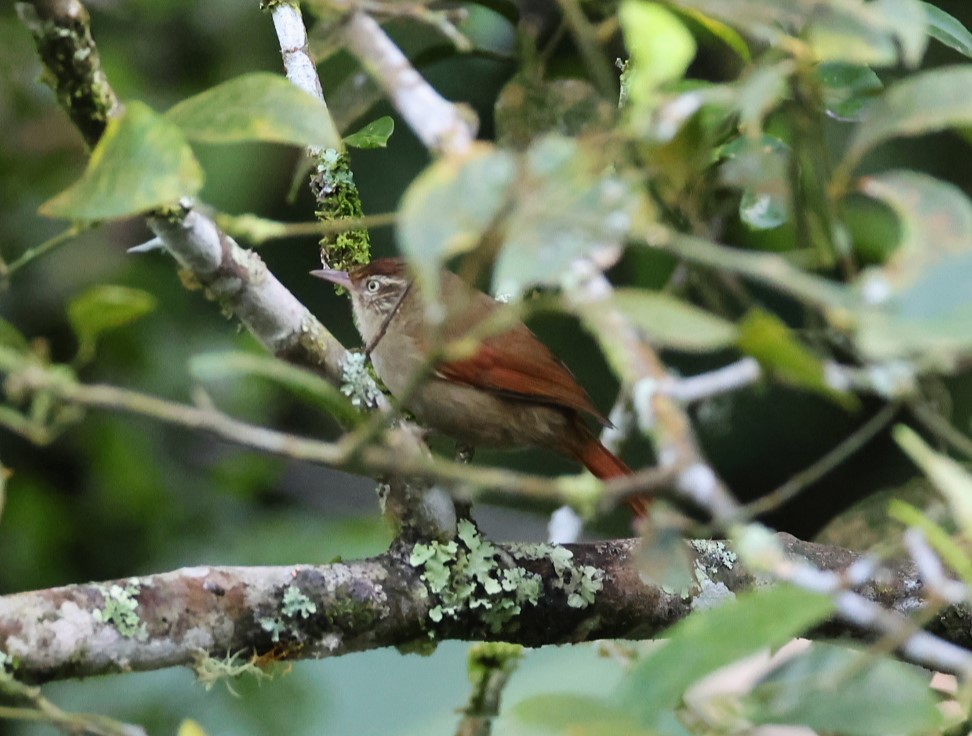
x,y
118,496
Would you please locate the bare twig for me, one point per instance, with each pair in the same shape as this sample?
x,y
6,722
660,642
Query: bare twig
x,y
439,124
942,428
659,416
732,377
40,250
829,462
914,644
621,417
490,667
585,36
393,459
240,281
33,706
298,64
258,230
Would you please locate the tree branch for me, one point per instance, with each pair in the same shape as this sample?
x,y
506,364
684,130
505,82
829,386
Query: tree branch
x,y
441,126
410,596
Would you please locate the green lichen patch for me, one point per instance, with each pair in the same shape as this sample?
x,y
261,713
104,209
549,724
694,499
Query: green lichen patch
x,y
712,558
273,626
121,610
470,574
466,575
296,603
580,583
716,552
357,383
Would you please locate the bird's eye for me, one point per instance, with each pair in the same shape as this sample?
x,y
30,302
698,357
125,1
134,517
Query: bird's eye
x,y
372,286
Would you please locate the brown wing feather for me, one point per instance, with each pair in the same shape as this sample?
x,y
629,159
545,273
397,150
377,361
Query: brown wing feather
x,y
517,365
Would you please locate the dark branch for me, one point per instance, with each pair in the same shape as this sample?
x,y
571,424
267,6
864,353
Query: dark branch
x,y
62,33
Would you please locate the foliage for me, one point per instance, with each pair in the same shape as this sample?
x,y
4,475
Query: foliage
x,y
779,181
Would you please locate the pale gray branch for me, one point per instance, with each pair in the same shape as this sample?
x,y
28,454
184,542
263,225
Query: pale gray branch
x,y
442,126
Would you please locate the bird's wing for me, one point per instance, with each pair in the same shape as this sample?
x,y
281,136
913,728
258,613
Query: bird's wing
x,y
515,364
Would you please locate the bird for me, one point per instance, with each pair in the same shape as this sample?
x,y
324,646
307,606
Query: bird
x,y
510,392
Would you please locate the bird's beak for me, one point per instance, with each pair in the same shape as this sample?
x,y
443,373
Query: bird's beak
x,y
340,278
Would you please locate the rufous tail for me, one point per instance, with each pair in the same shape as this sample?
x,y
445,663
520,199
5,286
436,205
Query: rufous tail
x,y
605,465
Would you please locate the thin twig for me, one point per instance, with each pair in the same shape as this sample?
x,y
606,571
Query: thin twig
x,y
42,710
5,473
585,36
331,179
388,460
827,463
439,124
942,428
490,667
621,418
732,377
44,248
257,230
660,418
298,64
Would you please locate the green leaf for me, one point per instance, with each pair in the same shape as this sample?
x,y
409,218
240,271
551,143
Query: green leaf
x,y
948,476
835,689
560,203
449,206
102,308
764,19
715,637
661,49
574,713
882,32
141,162
303,383
930,322
666,321
948,30
506,8
935,220
758,166
767,338
719,30
848,89
567,204
756,95
12,337
919,303
374,135
256,107
922,103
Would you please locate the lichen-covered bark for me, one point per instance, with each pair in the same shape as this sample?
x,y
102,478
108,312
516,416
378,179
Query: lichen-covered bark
x,y
308,611
62,34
